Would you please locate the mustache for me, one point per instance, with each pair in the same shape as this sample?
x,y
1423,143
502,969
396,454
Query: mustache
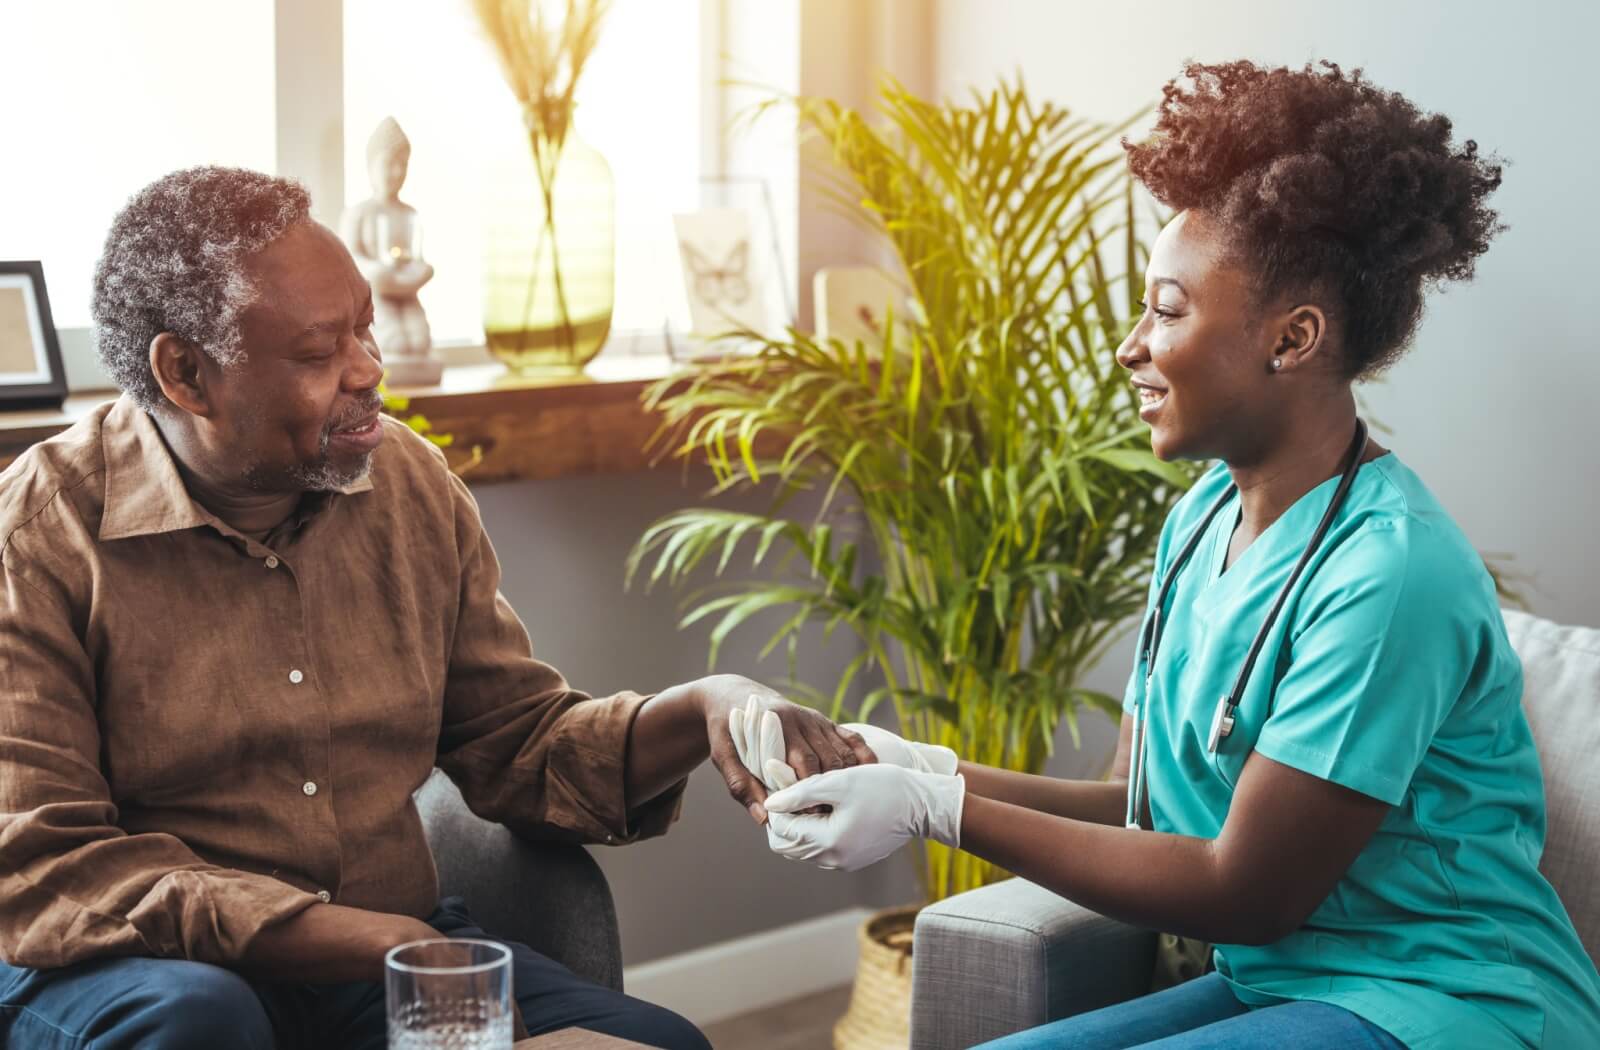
x,y
362,410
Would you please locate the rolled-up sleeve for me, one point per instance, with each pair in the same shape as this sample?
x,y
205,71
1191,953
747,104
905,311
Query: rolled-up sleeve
x,y
73,885
525,748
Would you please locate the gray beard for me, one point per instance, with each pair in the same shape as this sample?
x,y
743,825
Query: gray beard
x,y
325,477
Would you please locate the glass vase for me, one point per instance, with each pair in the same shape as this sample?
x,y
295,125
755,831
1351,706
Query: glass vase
x,y
551,249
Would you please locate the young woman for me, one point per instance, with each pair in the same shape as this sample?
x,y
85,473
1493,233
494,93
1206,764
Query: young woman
x,y
1358,830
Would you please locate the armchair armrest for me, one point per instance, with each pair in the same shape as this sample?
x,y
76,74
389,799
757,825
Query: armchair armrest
x,y
1011,956
549,896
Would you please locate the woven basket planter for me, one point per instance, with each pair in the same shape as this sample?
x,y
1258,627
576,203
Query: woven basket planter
x,y
879,1017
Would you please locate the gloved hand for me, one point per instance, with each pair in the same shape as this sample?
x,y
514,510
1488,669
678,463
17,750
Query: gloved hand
x,y
908,754
876,809
758,737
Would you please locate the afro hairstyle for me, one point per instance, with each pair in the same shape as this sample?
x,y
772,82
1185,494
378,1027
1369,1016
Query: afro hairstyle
x,y
1325,185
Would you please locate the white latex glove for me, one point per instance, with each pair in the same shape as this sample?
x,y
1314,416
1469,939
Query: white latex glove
x,y
876,809
758,737
908,754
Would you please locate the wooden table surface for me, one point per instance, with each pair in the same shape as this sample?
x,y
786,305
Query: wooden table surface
x,y
576,1039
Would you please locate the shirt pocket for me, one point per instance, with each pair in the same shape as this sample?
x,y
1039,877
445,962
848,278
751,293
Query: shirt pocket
x,y
1220,653
1231,754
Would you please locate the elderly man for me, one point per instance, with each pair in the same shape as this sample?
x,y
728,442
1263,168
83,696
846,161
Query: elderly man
x,y
242,617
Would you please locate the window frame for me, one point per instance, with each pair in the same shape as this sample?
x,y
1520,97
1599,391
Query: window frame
x,y
310,114
309,139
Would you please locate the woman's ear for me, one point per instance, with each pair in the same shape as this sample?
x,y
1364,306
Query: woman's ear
x,y
1302,339
181,373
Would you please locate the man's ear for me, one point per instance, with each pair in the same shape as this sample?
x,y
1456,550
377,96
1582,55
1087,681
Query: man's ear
x,y
180,371
1302,339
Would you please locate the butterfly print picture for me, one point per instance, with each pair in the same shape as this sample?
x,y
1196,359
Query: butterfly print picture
x,y
726,287
727,284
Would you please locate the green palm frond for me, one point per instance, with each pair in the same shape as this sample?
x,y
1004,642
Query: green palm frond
x,y
1005,502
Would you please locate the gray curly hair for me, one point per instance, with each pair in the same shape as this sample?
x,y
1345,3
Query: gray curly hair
x,y
174,262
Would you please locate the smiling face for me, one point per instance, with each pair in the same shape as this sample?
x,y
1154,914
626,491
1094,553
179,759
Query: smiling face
x,y
300,413
1201,355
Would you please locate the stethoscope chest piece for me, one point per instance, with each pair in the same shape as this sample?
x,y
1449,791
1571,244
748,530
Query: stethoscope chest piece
x,y
1221,725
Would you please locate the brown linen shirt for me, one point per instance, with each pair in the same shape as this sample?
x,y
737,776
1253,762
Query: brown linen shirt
x,y
201,734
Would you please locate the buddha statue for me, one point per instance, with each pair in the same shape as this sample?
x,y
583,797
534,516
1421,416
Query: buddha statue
x,y
382,234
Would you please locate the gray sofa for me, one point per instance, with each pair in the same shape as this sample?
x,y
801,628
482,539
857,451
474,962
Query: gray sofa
x,y
550,897
1011,956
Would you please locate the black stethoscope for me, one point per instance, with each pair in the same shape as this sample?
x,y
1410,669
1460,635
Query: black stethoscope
x,y
1150,636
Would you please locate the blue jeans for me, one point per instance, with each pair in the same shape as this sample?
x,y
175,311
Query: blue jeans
x,y
1203,1014
172,1004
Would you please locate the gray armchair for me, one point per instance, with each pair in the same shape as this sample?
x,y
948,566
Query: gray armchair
x,y
551,897
1012,956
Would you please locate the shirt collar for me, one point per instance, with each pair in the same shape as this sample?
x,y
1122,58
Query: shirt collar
x,y
145,494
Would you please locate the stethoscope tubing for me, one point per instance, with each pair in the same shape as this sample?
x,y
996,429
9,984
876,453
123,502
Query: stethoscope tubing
x,y
1150,636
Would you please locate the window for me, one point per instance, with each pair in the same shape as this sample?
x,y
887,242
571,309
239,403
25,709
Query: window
x,y
107,95
639,103
103,97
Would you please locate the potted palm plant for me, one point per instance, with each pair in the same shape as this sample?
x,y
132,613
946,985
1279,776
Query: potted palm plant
x,y
990,504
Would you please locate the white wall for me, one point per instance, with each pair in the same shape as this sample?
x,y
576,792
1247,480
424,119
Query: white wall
x,y
1493,406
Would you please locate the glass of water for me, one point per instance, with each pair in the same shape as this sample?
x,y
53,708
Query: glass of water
x,y
449,994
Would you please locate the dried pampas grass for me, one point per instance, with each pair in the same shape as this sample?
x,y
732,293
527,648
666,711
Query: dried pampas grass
x,y
540,57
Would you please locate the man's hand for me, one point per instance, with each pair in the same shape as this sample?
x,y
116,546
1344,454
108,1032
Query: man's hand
x,y
332,944
894,750
875,810
812,744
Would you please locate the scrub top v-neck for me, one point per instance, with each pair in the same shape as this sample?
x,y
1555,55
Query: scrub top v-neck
x,y
1388,672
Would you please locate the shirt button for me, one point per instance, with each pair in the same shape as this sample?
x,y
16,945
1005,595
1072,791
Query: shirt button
x,y
324,896
309,787
296,676
272,561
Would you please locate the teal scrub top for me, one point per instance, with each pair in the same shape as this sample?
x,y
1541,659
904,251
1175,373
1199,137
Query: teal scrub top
x,y
1389,672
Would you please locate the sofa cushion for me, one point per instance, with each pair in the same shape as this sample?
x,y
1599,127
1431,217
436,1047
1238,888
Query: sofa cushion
x,y
1561,695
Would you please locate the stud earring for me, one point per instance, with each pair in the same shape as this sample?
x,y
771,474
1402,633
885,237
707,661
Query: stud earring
x,y
1277,363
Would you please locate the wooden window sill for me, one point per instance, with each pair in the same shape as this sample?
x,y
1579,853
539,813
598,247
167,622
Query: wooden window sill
x,y
568,426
